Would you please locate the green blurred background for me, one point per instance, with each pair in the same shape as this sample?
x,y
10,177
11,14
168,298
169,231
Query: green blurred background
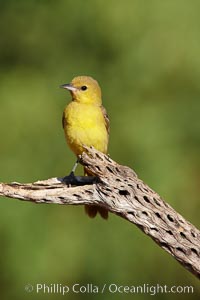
x,y
146,57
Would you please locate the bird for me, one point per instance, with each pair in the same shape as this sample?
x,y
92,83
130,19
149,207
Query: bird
x,y
86,123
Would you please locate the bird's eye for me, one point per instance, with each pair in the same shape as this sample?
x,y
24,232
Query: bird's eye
x,y
84,88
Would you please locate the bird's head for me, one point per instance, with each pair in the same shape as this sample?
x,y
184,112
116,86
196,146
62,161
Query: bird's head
x,y
84,89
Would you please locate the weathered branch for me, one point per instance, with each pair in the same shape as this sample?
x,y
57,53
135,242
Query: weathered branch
x,y
118,189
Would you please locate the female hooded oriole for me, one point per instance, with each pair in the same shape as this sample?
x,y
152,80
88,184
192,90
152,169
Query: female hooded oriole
x,y
86,122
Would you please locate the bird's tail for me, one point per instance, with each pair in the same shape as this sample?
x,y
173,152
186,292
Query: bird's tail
x,y
92,210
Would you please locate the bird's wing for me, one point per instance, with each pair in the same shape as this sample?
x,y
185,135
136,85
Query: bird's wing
x,y
106,118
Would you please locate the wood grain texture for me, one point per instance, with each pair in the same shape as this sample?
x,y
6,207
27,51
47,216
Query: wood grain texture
x,y
118,189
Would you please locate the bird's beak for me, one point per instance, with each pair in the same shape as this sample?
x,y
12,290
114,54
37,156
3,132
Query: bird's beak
x,y
68,87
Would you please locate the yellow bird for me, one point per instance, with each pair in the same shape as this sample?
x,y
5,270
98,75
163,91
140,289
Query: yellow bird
x,y
86,122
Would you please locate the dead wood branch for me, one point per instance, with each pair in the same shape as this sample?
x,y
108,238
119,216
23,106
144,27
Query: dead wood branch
x,y
118,189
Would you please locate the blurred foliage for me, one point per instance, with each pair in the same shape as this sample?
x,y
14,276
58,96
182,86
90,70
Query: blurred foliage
x,y
145,55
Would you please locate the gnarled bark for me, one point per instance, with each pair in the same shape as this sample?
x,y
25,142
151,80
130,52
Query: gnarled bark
x,y
118,189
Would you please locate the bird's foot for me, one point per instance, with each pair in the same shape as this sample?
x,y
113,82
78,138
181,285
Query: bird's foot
x,y
72,180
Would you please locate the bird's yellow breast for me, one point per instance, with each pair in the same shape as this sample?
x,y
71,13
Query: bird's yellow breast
x,y
84,124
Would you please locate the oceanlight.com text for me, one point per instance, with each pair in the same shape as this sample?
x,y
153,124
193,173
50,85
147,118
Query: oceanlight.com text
x,y
111,288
